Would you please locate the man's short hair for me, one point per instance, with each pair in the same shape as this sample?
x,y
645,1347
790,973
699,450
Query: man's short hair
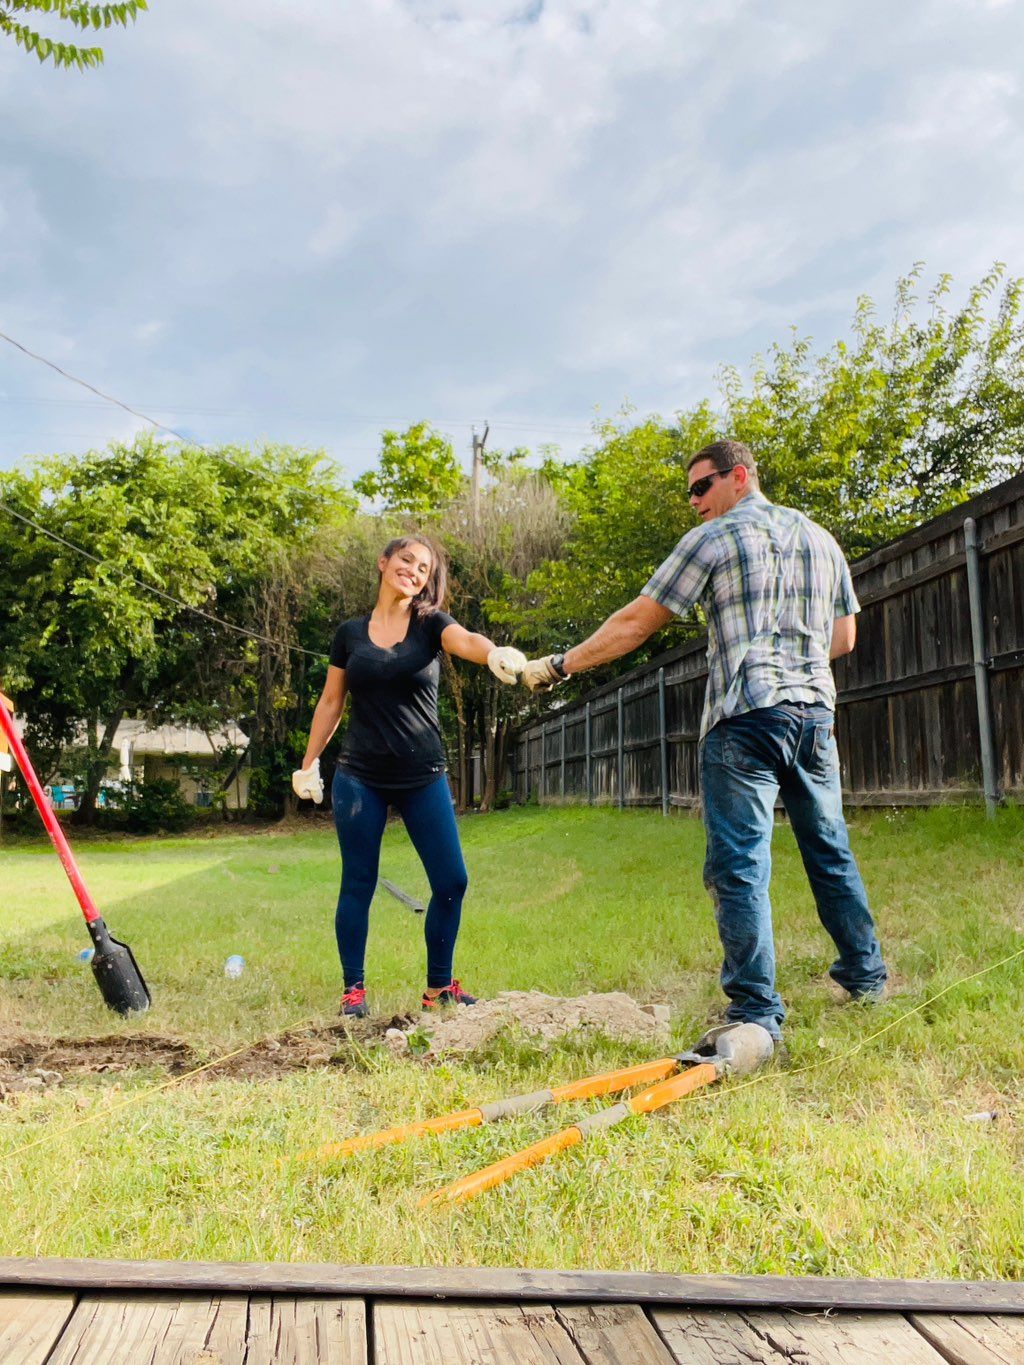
x,y
726,455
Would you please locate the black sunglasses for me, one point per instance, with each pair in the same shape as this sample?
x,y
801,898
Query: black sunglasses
x,y
699,487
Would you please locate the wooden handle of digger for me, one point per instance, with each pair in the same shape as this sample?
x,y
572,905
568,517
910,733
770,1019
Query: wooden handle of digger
x,y
612,1081
673,1089
490,1176
609,1082
445,1123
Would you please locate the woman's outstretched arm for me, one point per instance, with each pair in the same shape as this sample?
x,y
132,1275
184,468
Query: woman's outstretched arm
x,y
504,662
466,644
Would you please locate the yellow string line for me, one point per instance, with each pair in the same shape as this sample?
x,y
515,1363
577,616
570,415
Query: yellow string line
x,y
140,1095
710,1091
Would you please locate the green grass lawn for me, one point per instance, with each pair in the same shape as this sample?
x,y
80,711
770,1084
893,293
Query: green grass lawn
x,y
862,1167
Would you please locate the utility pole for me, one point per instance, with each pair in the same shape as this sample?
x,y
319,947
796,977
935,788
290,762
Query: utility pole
x,y
478,456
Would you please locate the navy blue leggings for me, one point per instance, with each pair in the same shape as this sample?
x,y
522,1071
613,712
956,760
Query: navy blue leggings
x,y
360,813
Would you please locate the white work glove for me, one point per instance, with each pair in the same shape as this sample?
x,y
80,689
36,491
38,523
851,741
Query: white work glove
x,y
506,663
307,782
540,675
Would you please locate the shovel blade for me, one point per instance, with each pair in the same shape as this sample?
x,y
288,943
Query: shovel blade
x,y
117,973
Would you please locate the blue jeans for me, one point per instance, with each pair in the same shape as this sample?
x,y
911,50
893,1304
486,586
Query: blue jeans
x,y
360,814
746,762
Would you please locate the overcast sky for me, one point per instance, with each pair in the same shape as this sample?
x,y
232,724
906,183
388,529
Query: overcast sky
x,y
307,221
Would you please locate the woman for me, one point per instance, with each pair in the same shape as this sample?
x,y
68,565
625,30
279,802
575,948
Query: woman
x,y
388,664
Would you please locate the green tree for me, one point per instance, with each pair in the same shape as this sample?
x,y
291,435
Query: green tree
x,y
493,548
417,472
627,505
87,18
83,643
897,425
881,432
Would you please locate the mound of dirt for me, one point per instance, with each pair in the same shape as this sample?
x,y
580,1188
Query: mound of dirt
x,y
547,1017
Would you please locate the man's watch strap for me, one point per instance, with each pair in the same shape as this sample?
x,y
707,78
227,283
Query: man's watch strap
x,y
558,664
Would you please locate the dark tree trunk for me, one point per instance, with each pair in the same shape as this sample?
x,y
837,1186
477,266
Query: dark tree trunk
x,y
488,751
96,764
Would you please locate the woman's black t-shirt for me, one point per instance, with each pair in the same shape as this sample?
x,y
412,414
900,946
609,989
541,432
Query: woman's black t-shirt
x,y
393,737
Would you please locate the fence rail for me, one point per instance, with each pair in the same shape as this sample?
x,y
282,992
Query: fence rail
x,y
930,704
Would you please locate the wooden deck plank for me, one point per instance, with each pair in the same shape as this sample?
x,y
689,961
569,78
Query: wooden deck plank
x,y
613,1334
973,1340
546,1286
409,1333
712,1338
306,1331
717,1338
30,1323
154,1329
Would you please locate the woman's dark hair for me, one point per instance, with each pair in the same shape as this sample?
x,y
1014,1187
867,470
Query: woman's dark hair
x,y
431,595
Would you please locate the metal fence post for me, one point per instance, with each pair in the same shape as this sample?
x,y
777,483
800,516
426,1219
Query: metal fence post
x,y
663,737
587,745
622,756
561,775
988,754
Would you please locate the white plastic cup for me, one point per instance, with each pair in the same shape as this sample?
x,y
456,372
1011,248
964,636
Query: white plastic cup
x,y
234,967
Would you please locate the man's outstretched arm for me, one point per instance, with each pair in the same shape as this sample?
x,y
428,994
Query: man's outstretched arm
x,y
624,631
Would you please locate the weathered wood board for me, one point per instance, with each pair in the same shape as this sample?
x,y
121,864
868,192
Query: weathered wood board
x,y
30,1323
714,1338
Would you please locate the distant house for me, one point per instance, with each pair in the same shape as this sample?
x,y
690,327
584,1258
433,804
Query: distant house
x,y
180,753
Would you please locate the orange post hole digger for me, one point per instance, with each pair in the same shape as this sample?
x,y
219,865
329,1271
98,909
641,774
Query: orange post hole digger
x,y
730,1049
114,967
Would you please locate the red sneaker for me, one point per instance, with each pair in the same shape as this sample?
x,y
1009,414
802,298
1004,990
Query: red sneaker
x,y
353,1002
450,995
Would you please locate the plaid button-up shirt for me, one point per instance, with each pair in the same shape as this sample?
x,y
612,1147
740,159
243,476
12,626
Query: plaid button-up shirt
x,y
772,583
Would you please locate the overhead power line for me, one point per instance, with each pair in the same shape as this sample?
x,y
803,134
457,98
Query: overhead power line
x,y
337,418
525,424
132,578
151,587
179,436
135,412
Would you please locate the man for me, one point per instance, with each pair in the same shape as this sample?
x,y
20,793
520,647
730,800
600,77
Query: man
x,y
780,604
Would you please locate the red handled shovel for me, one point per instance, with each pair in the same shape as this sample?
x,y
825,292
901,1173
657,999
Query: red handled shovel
x,y
113,964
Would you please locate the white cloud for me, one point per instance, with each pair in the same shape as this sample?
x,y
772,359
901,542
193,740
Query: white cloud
x,y
290,216
335,232
148,331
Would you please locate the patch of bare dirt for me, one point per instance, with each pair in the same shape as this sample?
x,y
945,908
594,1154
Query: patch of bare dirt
x,y
28,1064
34,1063
37,1063
94,1055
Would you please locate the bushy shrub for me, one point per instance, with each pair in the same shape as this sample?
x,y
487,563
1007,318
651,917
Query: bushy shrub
x,y
146,807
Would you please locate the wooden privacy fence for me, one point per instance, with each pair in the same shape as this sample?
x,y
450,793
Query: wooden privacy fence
x,y
930,705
